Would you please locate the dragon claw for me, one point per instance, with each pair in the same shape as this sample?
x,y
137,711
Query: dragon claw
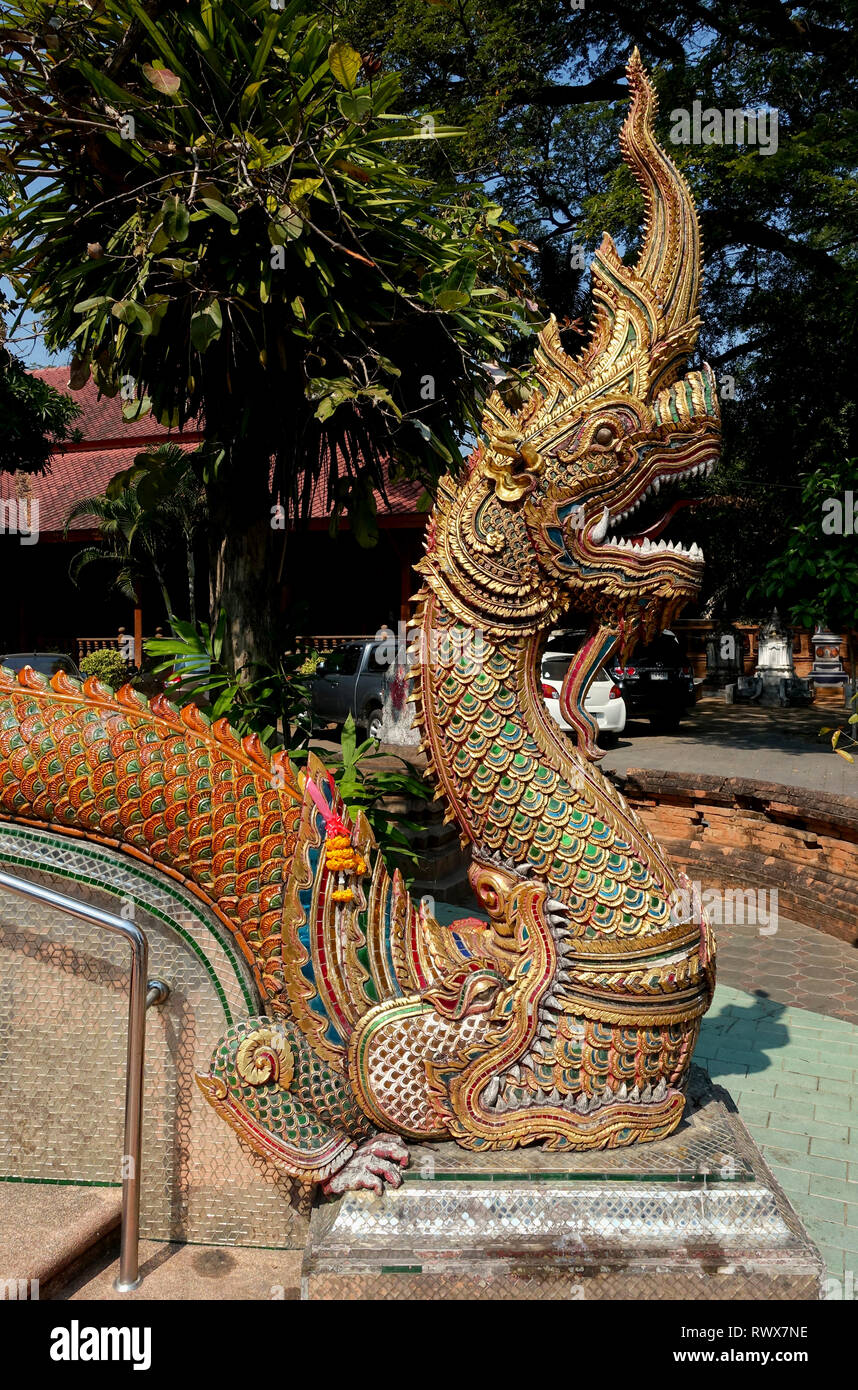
x,y
375,1162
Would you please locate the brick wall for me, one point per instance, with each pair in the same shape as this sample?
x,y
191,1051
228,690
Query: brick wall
x,y
731,832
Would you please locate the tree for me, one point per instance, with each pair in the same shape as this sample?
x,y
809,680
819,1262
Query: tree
x,y
538,88
218,212
815,573
169,499
131,543
145,513
33,417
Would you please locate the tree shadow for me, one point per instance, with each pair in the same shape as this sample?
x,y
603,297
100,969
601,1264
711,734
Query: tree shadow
x,y
729,1030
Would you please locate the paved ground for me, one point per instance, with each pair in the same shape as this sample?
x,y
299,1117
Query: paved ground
x,y
793,1074
172,1272
771,745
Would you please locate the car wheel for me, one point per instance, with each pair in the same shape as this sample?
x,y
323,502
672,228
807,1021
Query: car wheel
x,y
374,724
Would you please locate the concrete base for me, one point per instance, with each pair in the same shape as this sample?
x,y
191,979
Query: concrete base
x,y
696,1216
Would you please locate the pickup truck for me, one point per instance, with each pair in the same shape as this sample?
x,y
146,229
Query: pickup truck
x,y
349,680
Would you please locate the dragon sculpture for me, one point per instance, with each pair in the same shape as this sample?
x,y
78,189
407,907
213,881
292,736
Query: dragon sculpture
x,y
568,1018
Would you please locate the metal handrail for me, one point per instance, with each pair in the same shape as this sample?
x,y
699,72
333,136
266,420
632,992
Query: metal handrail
x,y
143,992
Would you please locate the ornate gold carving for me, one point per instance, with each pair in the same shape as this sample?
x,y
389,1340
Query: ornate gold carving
x,y
265,1056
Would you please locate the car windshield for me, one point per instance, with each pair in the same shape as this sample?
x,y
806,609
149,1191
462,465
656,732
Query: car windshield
x,y
664,651
46,663
343,661
556,664
379,658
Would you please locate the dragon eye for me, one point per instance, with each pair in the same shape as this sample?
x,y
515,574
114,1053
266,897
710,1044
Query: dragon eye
x,y
604,435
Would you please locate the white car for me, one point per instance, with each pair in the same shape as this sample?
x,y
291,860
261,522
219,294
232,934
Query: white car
x,y
604,700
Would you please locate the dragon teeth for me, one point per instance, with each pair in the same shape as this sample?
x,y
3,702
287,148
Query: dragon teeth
x,y
490,1093
600,530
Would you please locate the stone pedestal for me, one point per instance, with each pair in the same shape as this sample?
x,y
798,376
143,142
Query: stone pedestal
x,y
697,1216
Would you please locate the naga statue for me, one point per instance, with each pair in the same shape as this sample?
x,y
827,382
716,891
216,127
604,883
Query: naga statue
x,y
565,1016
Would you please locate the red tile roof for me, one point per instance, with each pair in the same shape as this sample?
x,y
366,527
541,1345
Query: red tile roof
x,y
83,467
101,416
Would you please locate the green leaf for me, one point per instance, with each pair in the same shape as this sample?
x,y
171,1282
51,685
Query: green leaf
x,y
206,325
355,106
448,300
86,304
127,311
221,210
135,410
303,188
344,62
177,219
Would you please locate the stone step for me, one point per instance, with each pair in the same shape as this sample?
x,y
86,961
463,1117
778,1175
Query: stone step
x,y
172,1271
49,1232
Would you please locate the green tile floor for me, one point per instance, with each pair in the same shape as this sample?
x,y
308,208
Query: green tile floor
x,y
794,1077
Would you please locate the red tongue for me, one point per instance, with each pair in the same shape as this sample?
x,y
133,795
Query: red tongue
x,y
653,532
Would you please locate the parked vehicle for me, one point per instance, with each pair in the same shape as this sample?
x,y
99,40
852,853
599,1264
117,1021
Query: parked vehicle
x,y
656,681
604,699
186,676
46,663
349,681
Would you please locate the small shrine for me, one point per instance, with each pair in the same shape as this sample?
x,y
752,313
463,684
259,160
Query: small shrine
x,y
828,673
774,659
724,655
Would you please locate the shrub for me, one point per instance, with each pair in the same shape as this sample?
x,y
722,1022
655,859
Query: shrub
x,y
107,665
310,664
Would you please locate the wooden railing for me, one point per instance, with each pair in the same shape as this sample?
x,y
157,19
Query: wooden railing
x,y
122,642
308,643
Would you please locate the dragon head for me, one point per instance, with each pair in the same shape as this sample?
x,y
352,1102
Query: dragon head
x,y
549,500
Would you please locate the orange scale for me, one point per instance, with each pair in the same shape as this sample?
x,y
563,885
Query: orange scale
x,y
33,785
247,861
33,727
273,847
155,833
176,815
78,792
271,824
223,817
177,846
129,814
271,874
57,790
152,802
247,882
223,840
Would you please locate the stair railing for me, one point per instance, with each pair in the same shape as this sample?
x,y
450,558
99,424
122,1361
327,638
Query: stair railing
x,y
143,992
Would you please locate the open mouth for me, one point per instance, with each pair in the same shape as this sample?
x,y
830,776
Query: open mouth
x,y
639,526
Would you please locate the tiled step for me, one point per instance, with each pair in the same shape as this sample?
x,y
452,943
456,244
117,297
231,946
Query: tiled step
x,y
173,1271
49,1232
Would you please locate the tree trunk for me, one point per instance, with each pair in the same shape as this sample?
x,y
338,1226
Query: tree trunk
x,y
192,579
241,568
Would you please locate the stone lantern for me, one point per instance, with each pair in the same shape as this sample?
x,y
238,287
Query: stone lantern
x,y
828,673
